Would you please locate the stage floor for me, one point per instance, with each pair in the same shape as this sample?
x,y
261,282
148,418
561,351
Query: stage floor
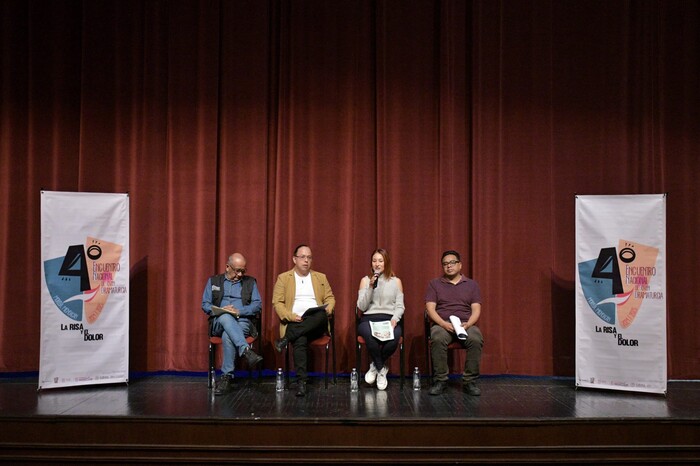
x,y
187,396
176,419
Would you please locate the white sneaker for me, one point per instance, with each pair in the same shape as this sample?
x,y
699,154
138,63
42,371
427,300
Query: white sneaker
x,y
381,378
371,375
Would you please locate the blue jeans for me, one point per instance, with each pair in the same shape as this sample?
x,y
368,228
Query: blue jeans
x,y
232,332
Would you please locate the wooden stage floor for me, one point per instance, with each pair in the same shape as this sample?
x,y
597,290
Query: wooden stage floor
x,y
176,419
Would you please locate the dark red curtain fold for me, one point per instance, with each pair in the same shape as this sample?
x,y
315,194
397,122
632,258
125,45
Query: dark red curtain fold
x,y
415,126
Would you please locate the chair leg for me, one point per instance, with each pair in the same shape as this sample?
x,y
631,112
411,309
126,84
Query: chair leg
x,y
333,348
428,362
401,369
251,369
325,373
286,366
210,381
358,359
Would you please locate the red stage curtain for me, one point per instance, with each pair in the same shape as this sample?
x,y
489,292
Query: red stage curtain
x,y
415,126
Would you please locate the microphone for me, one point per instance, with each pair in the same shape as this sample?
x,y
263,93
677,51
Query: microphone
x,y
376,280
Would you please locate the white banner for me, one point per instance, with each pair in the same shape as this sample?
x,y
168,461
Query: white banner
x,y
85,289
621,292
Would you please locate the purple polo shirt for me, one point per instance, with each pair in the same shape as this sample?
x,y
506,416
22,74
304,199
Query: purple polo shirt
x,y
453,299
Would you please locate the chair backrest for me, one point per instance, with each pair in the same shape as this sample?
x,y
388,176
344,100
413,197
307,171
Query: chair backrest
x,y
426,325
331,327
426,330
257,324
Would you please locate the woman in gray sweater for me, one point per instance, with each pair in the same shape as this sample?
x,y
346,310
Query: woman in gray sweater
x,y
380,298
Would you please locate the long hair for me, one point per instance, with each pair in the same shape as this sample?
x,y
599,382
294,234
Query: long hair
x,y
388,273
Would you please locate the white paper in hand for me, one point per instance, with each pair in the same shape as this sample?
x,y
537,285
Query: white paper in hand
x,y
459,330
382,331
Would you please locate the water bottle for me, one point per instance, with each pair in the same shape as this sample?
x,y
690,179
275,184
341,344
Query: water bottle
x,y
279,381
416,378
354,377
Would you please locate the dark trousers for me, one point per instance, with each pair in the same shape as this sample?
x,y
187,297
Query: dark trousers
x,y
379,351
300,334
474,343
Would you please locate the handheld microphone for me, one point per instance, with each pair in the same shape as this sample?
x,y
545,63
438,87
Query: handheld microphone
x,y
376,280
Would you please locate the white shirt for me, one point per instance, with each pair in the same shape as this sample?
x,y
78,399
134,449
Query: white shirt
x,y
305,297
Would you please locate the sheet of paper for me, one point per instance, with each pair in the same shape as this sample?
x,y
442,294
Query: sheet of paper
x,y
459,330
217,311
312,310
382,331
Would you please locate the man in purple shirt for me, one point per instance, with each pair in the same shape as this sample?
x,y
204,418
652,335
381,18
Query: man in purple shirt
x,y
454,295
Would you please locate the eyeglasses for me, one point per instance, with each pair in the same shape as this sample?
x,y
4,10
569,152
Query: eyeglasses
x,y
448,263
241,271
303,257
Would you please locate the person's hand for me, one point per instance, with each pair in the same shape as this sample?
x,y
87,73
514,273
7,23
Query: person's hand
x,y
393,323
372,280
447,326
232,310
296,318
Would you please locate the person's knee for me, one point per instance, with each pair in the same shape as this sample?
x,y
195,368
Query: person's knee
x,y
246,328
475,341
364,330
440,335
474,338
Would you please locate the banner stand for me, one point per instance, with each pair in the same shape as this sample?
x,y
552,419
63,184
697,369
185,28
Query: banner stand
x,y
84,337
621,292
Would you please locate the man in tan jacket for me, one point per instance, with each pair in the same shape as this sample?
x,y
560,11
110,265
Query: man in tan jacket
x,y
303,300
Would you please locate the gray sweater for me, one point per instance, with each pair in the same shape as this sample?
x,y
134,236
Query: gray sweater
x,y
385,299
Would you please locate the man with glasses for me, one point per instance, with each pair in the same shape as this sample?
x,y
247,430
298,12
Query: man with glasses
x,y
303,300
454,296
232,301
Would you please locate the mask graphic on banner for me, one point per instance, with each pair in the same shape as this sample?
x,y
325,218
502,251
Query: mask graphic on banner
x,y
81,282
616,283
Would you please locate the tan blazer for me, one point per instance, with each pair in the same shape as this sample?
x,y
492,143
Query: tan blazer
x,y
285,291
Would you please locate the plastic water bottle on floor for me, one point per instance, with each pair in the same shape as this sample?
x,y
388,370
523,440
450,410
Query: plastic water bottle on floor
x,y
416,378
279,381
354,380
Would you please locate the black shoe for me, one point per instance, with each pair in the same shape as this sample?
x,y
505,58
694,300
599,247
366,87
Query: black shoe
x,y
252,357
224,386
471,388
438,388
301,388
280,344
